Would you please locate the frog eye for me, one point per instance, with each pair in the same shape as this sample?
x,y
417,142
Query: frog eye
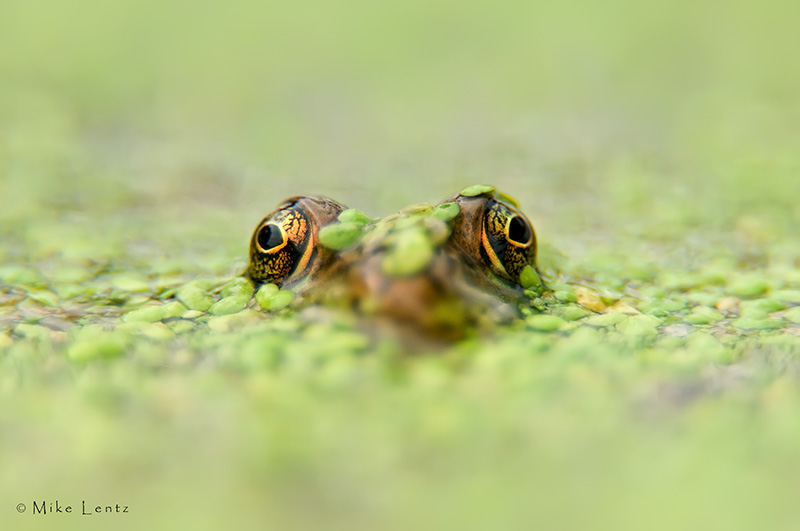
x,y
284,247
519,231
270,238
492,233
507,240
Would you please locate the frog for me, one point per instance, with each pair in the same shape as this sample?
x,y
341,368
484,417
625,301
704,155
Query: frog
x,y
436,271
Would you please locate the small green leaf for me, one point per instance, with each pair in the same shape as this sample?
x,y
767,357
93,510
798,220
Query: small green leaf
x,y
89,351
565,296
411,253
264,293
639,325
606,319
506,198
238,287
767,305
787,295
32,331
476,189
757,324
148,314
281,300
545,323
417,208
447,211
339,236
793,315
195,298
130,283
44,297
174,309
529,278
228,305
571,313
748,287
704,315
353,215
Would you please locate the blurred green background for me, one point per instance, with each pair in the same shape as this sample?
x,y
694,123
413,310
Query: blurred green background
x,y
643,140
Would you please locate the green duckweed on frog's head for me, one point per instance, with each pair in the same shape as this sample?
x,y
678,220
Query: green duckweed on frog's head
x,y
438,269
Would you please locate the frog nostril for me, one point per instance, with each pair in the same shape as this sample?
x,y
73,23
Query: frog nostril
x,y
518,231
269,237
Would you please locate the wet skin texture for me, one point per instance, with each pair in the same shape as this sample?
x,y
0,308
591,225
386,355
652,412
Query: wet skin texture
x,y
435,271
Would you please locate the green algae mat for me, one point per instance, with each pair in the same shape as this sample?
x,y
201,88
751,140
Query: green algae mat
x,y
143,383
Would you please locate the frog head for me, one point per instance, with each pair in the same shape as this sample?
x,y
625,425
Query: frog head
x,y
436,269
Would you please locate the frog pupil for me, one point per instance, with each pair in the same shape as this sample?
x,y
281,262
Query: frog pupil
x,y
518,231
269,236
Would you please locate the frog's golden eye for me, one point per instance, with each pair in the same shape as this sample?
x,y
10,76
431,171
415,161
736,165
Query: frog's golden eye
x,y
494,234
519,231
284,247
270,238
507,239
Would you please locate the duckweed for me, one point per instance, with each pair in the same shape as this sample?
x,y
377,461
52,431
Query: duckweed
x,y
418,209
195,298
226,322
137,368
174,309
182,326
43,296
23,276
269,297
753,312
131,283
589,300
477,189
787,295
704,315
529,278
607,319
104,346
661,308
410,253
749,323
765,305
32,331
228,305
238,287
338,236
156,331
565,296
264,293
748,287
639,325
545,323
571,313
5,341
148,314
353,215
793,315
446,211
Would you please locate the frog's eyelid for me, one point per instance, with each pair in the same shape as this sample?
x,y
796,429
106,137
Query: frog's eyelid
x,y
506,199
308,252
487,247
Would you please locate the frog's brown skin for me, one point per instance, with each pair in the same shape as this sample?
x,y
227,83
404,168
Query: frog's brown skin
x,y
471,277
440,302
